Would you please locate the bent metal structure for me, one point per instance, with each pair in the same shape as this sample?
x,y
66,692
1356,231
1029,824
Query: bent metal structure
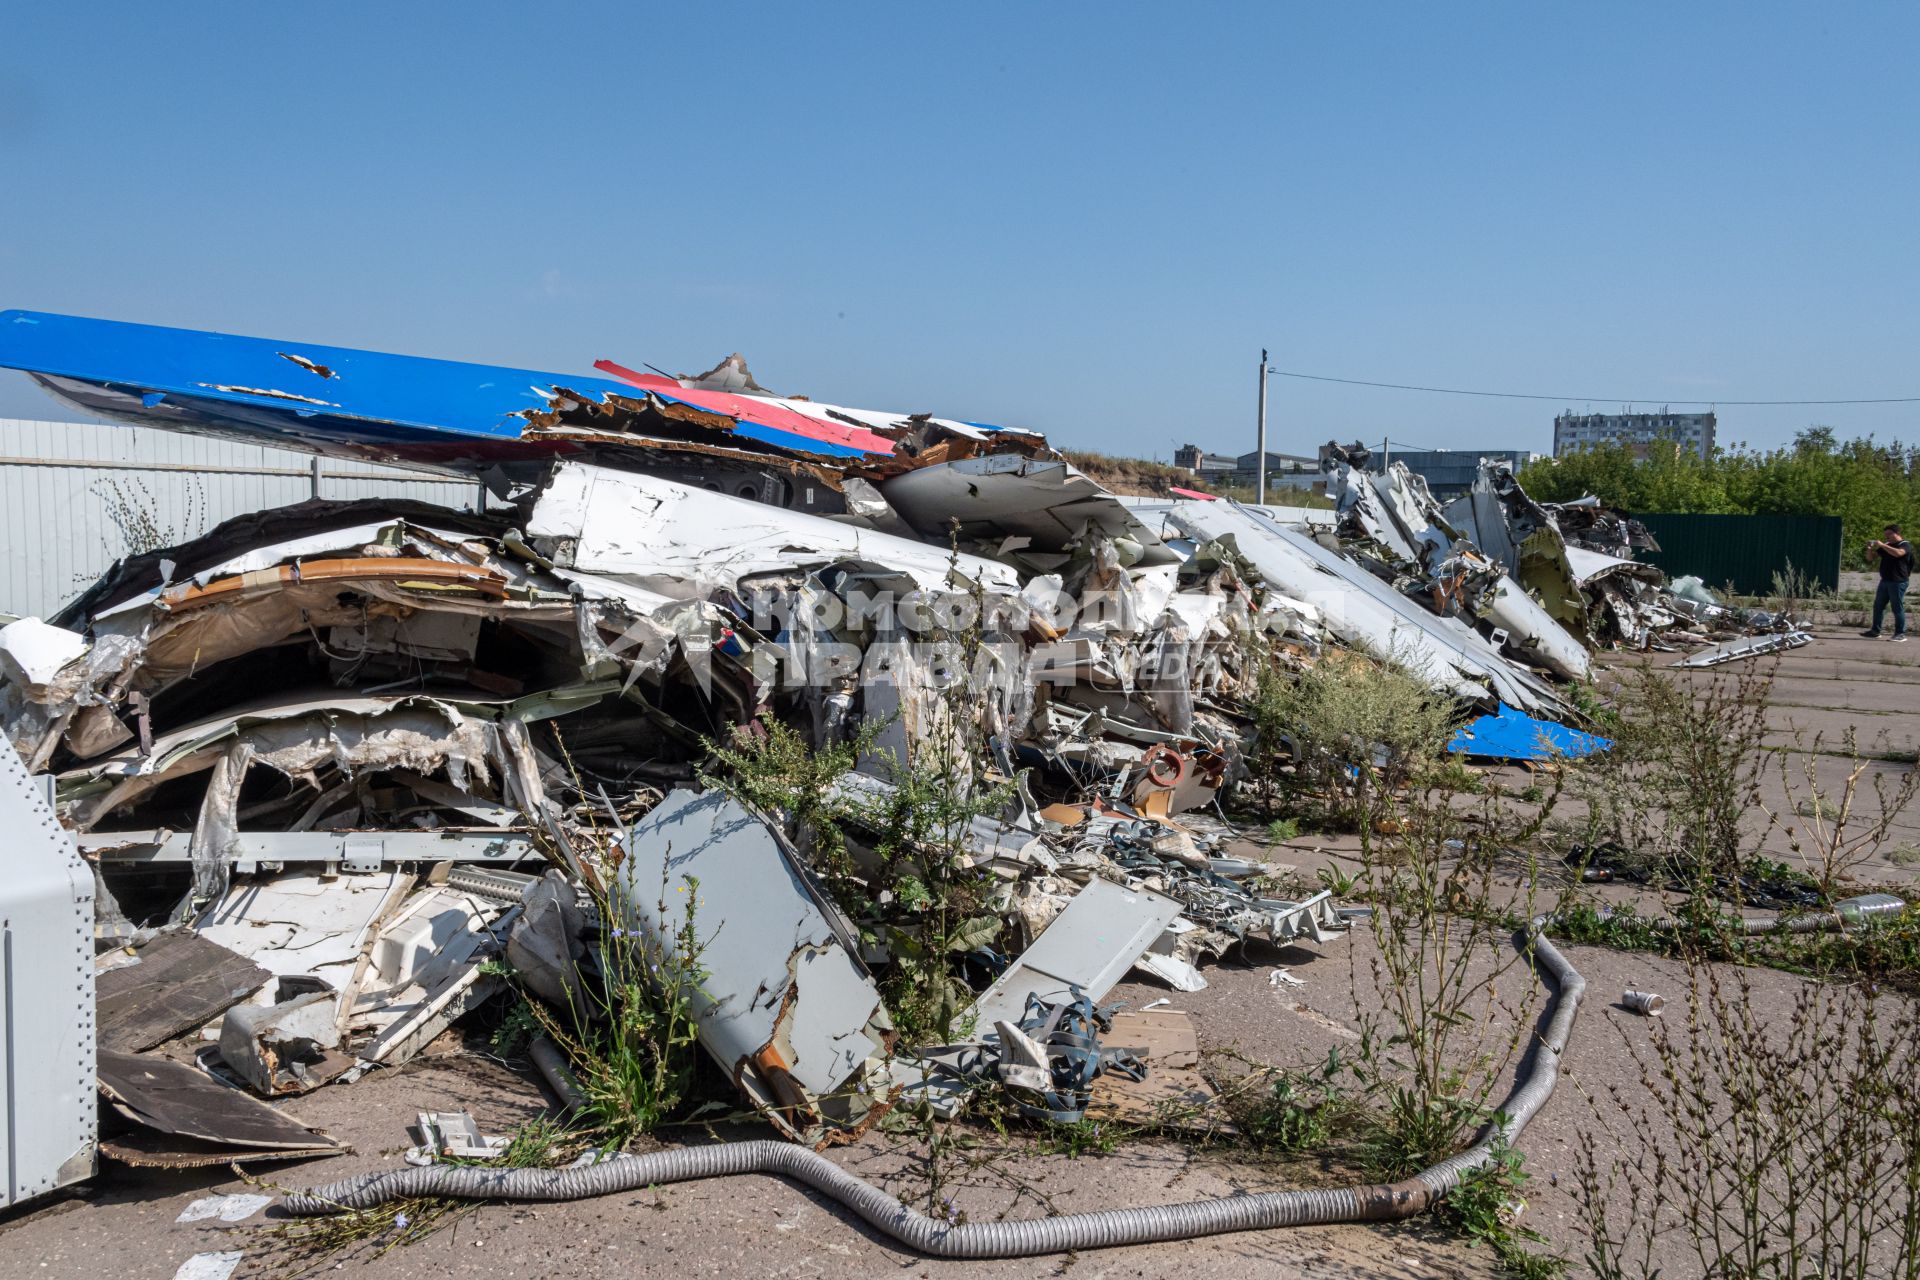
x,y
320,754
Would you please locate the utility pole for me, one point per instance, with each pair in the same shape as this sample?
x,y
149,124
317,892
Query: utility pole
x,y
1260,485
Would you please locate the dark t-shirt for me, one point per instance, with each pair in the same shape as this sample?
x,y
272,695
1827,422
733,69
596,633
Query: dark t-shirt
x,y
1897,568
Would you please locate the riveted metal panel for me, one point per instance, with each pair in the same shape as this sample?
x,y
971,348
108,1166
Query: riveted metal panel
x,y
48,1115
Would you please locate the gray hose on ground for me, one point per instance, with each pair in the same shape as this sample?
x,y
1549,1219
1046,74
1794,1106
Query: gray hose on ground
x,y
1857,910
1863,909
552,1065
1004,1239
1819,922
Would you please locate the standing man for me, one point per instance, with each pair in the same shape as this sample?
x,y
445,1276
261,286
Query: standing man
x,y
1895,554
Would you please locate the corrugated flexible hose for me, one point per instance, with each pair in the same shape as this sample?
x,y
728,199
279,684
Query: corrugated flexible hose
x,y
1003,1239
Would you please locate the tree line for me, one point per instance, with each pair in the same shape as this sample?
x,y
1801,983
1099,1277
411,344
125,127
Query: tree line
x,y
1862,481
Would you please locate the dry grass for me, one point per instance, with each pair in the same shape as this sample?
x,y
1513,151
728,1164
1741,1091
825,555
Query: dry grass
x,y
1137,477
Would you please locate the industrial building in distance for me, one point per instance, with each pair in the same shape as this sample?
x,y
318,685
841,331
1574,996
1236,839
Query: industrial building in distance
x,y
1573,432
1285,469
1448,472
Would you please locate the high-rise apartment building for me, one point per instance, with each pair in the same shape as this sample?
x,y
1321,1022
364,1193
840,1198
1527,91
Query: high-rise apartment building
x,y
1573,432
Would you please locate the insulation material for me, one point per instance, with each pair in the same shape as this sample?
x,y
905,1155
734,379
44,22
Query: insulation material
x,y
96,730
296,739
215,831
33,653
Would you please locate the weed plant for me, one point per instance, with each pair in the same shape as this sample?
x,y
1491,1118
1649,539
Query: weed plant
x,y
898,866
1759,1145
1485,1208
1448,878
1680,791
630,1031
1356,729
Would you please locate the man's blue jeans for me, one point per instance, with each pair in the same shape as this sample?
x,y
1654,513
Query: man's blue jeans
x,y
1895,594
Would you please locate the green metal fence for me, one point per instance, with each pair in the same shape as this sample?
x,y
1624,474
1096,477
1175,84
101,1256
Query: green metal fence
x,y
1746,551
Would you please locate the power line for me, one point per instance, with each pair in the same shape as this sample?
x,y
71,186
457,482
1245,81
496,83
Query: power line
x,y
1518,395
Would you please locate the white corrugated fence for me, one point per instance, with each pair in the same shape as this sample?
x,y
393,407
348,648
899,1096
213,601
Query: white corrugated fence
x,y
76,496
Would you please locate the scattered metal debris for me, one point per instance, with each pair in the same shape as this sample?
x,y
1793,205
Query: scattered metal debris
x,y
1745,647
452,1135
1052,1056
228,1208
1576,559
787,1009
47,1047
284,1048
173,983
1085,950
333,766
180,1116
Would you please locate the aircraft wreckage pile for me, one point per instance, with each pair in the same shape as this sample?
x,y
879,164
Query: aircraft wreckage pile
x,y
329,760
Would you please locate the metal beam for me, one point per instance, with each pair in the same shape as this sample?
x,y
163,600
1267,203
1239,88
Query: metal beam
x,y
1745,647
395,475
356,849
1260,444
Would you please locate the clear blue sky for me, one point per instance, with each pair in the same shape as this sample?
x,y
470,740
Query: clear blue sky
x,y
1081,218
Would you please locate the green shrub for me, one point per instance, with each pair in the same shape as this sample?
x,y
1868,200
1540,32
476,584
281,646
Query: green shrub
x,y
1360,729
1483,1208
631,1032
1296,1112
913,894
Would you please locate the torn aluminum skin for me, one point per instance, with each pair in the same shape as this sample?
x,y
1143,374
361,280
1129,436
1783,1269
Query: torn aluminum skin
x,y
1394,512
1366,613
1085,951
786,1008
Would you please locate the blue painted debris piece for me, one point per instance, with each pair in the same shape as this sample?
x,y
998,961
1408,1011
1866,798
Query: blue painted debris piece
x,y
444,414
1515,735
